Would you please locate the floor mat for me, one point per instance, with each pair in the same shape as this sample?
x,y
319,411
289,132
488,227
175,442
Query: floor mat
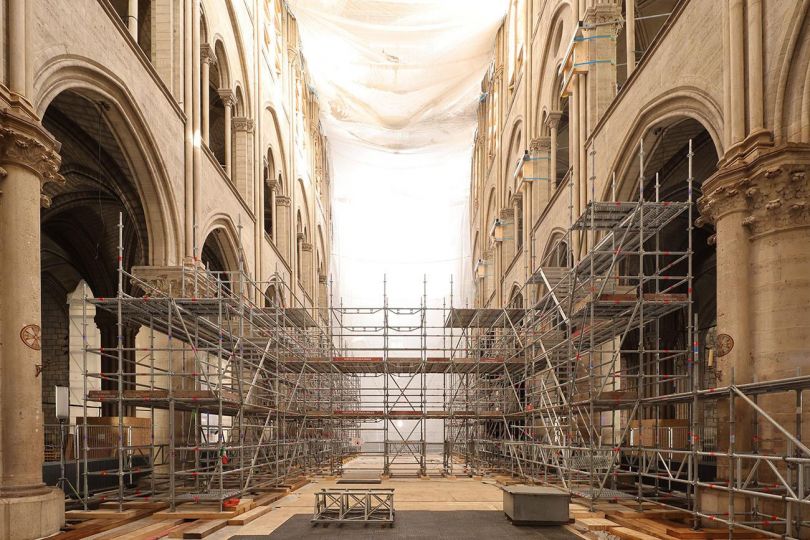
x,y
417,525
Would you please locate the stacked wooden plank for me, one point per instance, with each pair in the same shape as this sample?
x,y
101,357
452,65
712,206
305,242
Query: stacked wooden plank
x,y
652,522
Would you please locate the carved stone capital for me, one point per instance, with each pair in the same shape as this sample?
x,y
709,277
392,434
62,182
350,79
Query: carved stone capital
x,y
306,246
603,14
553,119
540,145
507,213
322,279
207,54
227,96
242,123
191,280
282,200
25,143
773,191
271,183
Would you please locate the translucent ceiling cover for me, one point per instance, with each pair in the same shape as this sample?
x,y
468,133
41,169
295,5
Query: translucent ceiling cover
x,y
398,83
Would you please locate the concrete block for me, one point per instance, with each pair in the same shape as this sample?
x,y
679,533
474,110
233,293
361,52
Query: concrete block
x,y
535,505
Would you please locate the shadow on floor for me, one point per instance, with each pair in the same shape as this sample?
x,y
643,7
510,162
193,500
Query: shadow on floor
x,y
412,525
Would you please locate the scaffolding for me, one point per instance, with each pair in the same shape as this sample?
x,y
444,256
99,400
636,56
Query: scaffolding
x,y
598,384
217,386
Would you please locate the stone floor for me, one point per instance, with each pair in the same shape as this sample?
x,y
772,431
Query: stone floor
x,y
424,496
418,525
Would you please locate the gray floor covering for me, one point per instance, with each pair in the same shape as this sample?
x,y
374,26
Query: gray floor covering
x,y
412,525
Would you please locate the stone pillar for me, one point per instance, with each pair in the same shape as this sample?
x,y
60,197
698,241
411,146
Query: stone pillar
x,y
601,30
228,100
542,185
207,56
630,35
242,169
196,120
553,124
270,186
132,19
756,104
737,69
28,159
282,229
306,268
507,216
323,297
761,212
17,69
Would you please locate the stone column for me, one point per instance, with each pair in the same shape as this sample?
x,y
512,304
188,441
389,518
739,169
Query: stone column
x,y
553,124
132,19
228,100
756,104
762,215
542,185
737,69
242,168
507,216
28,159
323,297
207,56
270,186
283,227
726,208
630,35
306,268
601,30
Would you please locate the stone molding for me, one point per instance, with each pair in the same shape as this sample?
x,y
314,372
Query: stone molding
x,y
24,142
773,193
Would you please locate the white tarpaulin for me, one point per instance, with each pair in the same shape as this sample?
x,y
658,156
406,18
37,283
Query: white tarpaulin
x,y
398,82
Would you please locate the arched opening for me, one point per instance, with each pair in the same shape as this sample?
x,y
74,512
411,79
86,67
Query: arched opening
x,y
218,97
273,296
79,236
218,257
299,237
666,148
270,185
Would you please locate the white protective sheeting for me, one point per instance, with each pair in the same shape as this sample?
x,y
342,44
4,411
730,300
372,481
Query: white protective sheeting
x,y
398,82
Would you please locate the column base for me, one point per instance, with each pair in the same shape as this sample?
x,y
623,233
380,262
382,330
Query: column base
x,y
35,516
